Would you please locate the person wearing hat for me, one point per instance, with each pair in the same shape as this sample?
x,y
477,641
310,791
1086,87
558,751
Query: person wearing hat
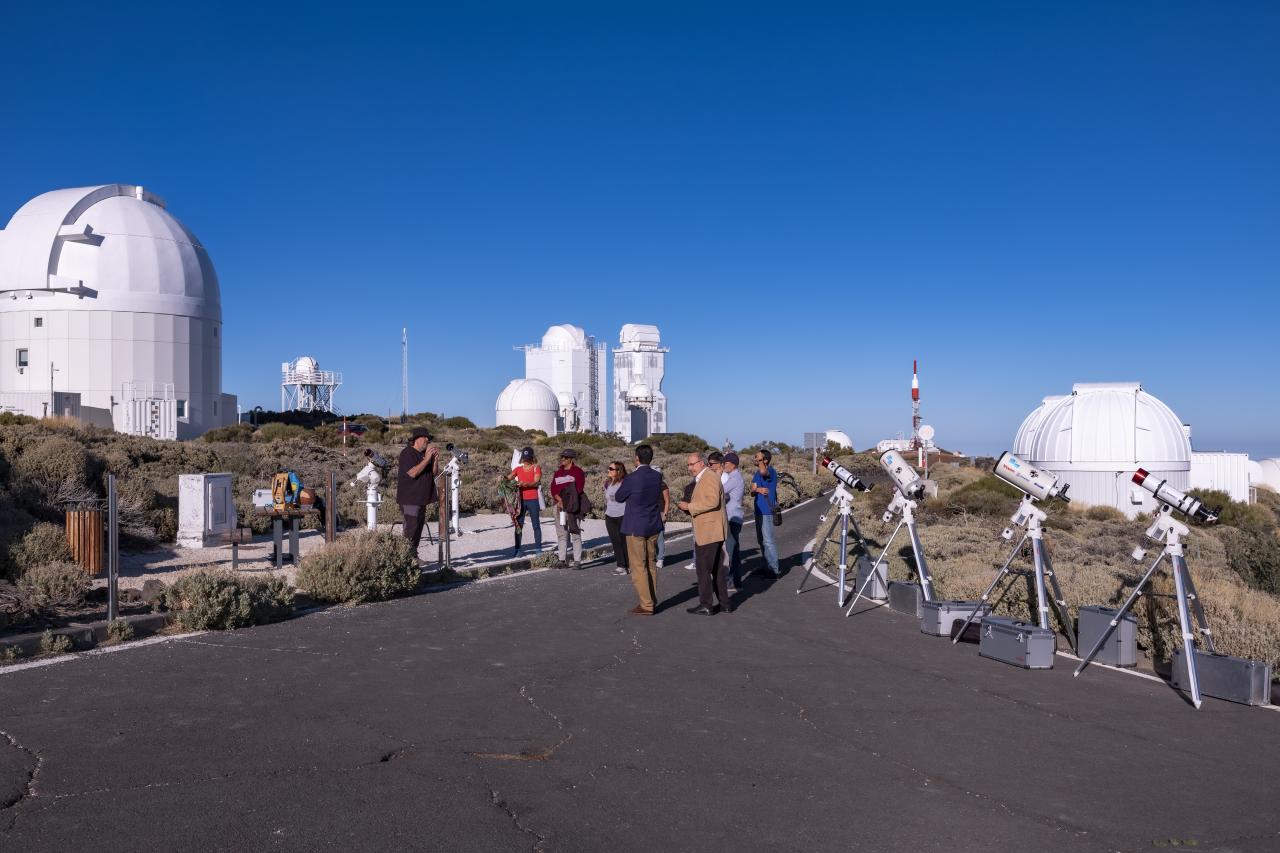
x,y
527,475
568,473
734,486
416,483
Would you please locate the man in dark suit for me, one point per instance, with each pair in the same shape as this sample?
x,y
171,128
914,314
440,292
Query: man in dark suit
x,y
641,496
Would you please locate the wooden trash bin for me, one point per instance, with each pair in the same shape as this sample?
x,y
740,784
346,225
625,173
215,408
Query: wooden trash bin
x,y
85,538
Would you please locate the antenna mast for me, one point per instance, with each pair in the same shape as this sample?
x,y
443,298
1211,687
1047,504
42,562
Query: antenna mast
x,y
404,374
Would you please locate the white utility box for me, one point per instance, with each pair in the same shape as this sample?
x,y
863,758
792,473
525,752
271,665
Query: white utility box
x,y
206,509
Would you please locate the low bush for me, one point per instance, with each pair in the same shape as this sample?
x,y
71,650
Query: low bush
x,y
1103,513
458,422
280,432
55,644
987,498
53,587
44,543
221,601
361,566
677,442
1255,557
239,433
119,631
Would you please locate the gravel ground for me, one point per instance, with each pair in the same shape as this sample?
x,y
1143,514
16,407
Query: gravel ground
x,y
486,540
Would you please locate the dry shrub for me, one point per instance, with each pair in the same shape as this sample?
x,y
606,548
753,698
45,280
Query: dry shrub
x,y
55,644
221,601
1103,513
44,543
53,587
54,464
361,566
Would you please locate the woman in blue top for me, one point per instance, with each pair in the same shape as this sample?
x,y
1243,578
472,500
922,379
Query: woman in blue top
x,y
765,485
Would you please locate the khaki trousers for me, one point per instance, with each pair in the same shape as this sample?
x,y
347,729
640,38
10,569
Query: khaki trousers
x,y
642,560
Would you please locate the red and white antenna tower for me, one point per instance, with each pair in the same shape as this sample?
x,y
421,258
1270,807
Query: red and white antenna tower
x,y
916,442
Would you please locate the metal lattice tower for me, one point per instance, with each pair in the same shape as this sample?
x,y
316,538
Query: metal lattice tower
x,y
404,374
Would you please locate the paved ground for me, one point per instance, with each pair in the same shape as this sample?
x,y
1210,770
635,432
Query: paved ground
x,y
530,713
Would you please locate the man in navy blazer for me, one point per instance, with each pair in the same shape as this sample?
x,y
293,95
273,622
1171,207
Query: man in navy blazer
x,y
641,496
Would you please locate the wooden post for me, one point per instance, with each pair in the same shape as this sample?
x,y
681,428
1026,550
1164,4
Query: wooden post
x,y
84,538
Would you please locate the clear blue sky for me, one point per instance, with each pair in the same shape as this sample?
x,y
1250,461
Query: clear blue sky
x,y
803,197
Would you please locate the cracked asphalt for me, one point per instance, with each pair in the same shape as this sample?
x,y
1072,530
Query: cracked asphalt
x,y
531,713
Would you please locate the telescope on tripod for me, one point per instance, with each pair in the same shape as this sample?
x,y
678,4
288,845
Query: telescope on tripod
x,y
372,474
1168,531
842,500
1035,485
908,487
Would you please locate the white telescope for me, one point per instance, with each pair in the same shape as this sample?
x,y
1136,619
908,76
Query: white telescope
x,y
902,474
1022,475
1171,497
844,475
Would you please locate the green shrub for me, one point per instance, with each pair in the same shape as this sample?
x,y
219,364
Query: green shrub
x,y
1102,512
53,587
10,419
677,442
239,433
1255,557
280,432
54,463
221,601
458,422
9,654
119,630
361,566
44,543
54,644
988,497
1253,517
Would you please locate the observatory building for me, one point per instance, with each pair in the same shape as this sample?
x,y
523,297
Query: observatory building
x,y
528,404
110,312
304,387
639,364
1099,434
572,365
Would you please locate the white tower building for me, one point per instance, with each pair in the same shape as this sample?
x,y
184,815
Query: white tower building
x,y
304,387
639,364
572,365
528,404
109,308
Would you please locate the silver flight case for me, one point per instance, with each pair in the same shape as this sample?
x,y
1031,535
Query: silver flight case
x,y
878,589
1121,648
938,617
1016,642
906,598
1224,677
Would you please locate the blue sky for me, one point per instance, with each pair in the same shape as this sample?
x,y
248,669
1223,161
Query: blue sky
x,y
803,198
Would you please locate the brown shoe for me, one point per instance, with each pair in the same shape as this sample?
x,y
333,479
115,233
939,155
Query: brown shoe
x,y
640,611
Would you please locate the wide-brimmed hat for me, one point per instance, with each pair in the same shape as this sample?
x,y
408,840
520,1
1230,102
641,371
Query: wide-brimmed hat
x,y
419,432
568,453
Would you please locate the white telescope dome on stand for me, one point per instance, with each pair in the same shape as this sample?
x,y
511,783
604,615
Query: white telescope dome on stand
x,y
1095,438
528,404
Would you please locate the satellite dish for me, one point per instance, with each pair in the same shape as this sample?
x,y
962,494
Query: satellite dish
x,y
926,432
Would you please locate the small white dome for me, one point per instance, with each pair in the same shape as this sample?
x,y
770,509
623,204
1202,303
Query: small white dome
x,y
566,400
1105,426
564,336
639,391
840,438
639,333
527,395
306,364
1269,474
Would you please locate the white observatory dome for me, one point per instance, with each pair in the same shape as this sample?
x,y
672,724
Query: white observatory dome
x,y
840,438
1098,435
1269,474
564,336
639,392
306,364
108,287
528,404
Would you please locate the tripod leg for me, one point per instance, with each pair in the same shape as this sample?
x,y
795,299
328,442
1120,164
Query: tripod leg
x,y
1004,570
871,576
1197,609
1060,603
844,557
817,555
1184,619
1115,620
922,568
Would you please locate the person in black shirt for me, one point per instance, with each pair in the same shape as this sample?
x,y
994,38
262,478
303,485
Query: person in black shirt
x,y
416,483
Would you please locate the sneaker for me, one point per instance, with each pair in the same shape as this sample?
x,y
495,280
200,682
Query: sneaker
x,y
560,564
618,570
691,566
658,564
577,566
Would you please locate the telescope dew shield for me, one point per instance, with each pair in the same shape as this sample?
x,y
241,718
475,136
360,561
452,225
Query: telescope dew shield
x,y
1181,501
1020,474
902,474
844,475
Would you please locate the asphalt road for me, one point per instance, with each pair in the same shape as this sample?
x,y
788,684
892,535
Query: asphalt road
x,y
532,713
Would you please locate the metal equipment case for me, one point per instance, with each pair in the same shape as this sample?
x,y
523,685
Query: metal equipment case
x,y
877,590
1224,677
1122,646
937,618
906,598
1015,642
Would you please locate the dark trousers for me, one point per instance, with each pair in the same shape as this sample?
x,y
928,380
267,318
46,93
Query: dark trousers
x,y
529,507
707,559
614,526
414,518
733,546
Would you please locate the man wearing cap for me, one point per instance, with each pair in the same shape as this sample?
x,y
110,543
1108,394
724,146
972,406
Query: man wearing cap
x,y
731,480
416,483
568,473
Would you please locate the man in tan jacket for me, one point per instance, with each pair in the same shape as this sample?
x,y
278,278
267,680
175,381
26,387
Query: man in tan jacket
x,y
707,508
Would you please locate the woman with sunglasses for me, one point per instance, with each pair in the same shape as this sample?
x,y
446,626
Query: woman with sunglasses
x,y
613,512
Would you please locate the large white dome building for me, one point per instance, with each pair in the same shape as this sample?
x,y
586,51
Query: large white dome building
x,y
109,299
1096,437
528,404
